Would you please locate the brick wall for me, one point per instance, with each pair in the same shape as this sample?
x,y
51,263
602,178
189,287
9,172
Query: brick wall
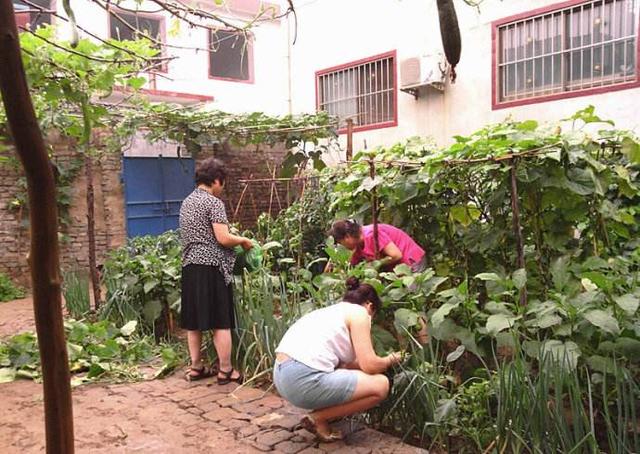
x,y
245,205
247,163
109,214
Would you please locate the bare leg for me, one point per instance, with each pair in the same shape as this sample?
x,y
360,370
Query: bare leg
x,y
194,342
370,391
222,342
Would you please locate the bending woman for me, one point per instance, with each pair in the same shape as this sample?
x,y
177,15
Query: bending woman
x,y
325,362
394,245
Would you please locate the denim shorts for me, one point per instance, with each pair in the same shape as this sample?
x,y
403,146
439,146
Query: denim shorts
x,y
312,389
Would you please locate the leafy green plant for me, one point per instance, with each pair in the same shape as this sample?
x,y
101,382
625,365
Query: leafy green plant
x,y
8,290
97,351
75,288
66,172
301,228
143,283
558,410
576,192
264,313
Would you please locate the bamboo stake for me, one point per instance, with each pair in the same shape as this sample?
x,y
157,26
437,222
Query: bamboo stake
x,y
44,255
269,180
374,209
91,230
235,213
517,229
273,185
349,139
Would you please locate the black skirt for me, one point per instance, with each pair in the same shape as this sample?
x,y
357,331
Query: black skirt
x,y
207,301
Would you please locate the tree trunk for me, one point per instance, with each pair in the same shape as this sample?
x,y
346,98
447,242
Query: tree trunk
x,y
44,255
91,230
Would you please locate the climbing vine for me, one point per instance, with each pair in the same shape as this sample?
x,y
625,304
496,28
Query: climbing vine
x,y
195,127
65,171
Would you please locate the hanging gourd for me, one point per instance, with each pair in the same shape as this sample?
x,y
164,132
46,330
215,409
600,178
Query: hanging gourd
x,y
450,33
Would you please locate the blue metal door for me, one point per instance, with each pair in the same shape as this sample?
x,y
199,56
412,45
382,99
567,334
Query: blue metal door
x,y
154,189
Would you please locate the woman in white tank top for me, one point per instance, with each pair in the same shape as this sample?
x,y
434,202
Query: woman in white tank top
x,y
325,362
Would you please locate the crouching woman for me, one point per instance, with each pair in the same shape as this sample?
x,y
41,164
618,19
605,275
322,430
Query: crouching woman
x,y
326,363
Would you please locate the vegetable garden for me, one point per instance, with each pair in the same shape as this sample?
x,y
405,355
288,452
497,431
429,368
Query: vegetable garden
x,y
541,357
538,358
523,333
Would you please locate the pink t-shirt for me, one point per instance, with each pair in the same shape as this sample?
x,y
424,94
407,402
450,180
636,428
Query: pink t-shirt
x,y
411,252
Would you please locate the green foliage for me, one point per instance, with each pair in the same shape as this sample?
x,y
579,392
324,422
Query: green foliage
x,y
8,290
67,171
264,313
97,351
64,83
299,230
196,127
75,288
576,194
579,206
143,282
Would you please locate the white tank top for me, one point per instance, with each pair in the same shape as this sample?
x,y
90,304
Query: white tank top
x,y
321,339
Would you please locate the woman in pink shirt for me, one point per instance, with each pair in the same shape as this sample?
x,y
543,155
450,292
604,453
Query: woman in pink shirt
x,y
394,245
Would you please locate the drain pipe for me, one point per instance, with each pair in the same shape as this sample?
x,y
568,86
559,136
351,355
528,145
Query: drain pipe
x,y
289,78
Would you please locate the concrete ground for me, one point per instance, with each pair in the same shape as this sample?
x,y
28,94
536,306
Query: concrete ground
x,y
168,415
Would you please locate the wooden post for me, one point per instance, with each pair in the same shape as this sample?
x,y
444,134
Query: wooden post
x,y
374,209
91,229
44,255
349,139
517,229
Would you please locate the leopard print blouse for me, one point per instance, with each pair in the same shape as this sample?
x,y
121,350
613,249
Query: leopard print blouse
x,y
198,212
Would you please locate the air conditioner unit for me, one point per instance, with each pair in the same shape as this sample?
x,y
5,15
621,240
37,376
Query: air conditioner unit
x,y
423,71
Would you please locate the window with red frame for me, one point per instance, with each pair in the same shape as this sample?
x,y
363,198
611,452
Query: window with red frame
x,y
364,92
583,46
230,56
125,26
31,16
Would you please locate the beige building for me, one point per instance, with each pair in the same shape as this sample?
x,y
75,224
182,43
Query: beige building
x,y
378,62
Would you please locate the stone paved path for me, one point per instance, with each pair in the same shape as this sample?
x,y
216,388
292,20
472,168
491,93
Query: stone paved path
x,y
174,416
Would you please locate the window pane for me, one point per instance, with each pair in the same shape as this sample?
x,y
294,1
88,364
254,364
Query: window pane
x,y
577,47
229,57
129,27
36,19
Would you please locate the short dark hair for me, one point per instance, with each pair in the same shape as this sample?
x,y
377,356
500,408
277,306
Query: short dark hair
x,y
358,293
340,229
210,170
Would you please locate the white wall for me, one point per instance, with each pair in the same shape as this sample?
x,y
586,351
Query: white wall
x,y
333,32
188,73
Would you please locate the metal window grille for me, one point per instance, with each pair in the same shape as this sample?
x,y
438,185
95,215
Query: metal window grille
x,y
363,92
593,44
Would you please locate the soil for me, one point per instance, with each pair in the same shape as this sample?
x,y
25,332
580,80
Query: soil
x,y
168,415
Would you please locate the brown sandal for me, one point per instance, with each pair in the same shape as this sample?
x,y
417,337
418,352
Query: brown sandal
x,y
309,424
226,379
203,372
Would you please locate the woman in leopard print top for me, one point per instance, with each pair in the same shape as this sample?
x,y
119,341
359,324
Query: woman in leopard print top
x,y
207,265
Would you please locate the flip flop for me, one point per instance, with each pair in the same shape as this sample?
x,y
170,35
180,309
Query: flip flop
x,y
309,424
